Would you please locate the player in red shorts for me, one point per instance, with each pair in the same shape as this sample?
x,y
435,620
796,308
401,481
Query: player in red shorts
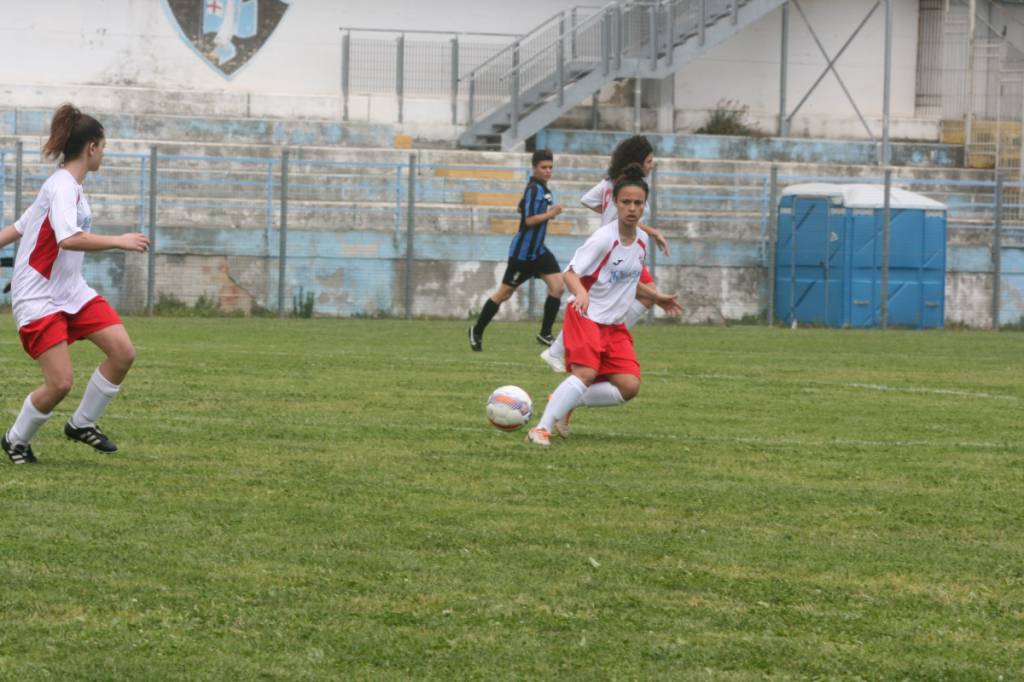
x,y
604,276
52,304
633,150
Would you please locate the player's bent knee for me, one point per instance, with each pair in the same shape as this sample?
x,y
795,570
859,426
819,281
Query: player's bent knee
x,y
60,386
628,387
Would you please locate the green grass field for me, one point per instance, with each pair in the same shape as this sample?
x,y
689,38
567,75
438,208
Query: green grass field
x,y
324,499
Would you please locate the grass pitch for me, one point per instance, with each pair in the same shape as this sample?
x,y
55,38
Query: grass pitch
x,y
323,499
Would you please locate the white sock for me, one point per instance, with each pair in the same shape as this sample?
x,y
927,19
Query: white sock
x,y
557,349
98,395
565,397
635,312
602,394
28,422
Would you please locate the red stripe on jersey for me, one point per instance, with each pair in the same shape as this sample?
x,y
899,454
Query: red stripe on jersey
x,y
45,251
589,280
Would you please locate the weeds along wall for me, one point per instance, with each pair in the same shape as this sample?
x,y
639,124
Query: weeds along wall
x,y
391,233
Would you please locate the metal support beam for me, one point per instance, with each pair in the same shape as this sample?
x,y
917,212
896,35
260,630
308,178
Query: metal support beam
x,y
346,44
887,84
652,27
410,233
969,110
997,254
886,226
783,72
455,79
773,237
637,103
151,256
19,171
400,74
560,59
831,64
282,242
702,22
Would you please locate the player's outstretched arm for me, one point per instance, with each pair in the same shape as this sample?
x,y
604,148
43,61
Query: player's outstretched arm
x,y
668,303
658,238
86,241
8,235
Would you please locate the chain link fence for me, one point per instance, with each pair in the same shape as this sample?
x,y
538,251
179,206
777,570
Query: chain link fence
x,y
300,234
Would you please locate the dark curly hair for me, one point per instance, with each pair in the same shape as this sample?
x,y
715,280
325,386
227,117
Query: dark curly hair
x,y
631,176
631,150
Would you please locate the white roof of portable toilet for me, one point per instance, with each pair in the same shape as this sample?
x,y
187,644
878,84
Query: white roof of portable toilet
x,y
865,196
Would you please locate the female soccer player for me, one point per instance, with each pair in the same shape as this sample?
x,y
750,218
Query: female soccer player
x,y
633,150
604,276
52,304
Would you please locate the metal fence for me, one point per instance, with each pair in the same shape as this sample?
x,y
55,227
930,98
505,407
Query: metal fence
x,y
295,235
400,64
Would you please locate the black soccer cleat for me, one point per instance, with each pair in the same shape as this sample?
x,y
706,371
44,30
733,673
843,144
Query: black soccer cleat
x,y
545,339
476,342
19,453
91,436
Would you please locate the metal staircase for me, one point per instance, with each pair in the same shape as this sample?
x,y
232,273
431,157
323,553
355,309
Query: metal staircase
x,y
568,58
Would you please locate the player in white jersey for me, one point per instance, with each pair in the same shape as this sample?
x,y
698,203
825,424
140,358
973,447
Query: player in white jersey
x,y
603,276
53,305
633,150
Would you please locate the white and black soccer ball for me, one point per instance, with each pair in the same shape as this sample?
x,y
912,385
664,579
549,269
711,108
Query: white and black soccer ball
x,y
509,408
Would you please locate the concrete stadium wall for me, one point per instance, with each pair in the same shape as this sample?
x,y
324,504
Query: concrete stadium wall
x,y
757,149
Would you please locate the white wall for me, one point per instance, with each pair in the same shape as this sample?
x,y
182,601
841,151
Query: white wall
x,y
746,68
128,55
135,43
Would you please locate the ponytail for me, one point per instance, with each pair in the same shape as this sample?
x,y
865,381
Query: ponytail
x,y
632,176
70,132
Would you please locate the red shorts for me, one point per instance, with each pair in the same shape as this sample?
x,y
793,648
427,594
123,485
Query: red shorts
x,y
645,276
39,336
608,348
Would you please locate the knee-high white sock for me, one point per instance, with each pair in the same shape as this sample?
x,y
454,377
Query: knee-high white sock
x,y
635,312
98,395
602,394
28,422
565,397
557,349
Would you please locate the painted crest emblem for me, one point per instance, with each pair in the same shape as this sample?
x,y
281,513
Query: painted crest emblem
x,y
226,34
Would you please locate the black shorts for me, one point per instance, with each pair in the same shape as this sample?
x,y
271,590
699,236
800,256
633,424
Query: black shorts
x,y
518,271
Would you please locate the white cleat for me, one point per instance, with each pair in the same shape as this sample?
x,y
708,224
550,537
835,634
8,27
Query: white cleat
x,y
538,436
556,363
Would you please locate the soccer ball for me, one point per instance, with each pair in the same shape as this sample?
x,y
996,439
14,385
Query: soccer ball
x,y
509,408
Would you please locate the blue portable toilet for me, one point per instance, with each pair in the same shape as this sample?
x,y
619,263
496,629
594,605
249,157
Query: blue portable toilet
x,y
828,256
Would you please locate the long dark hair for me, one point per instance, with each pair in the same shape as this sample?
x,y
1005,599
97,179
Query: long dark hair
x,y
631,150
631,176
70,132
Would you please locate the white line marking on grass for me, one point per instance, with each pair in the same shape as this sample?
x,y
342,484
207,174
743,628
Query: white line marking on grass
x,y
958,393
934,391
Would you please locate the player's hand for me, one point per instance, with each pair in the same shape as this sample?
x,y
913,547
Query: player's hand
x,y
581,303
670,304
555,210
133,241
659,239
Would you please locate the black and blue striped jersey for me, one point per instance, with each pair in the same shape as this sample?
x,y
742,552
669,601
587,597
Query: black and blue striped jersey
x,y
528,244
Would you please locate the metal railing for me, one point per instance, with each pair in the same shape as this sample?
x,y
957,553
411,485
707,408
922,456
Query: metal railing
x,y
641,34
398,63
253,234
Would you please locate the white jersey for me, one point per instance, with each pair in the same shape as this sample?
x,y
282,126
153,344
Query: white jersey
x,y
599,197
48,279
610,272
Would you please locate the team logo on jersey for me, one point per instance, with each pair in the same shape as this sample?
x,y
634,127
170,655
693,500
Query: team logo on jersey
x,y
226,34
